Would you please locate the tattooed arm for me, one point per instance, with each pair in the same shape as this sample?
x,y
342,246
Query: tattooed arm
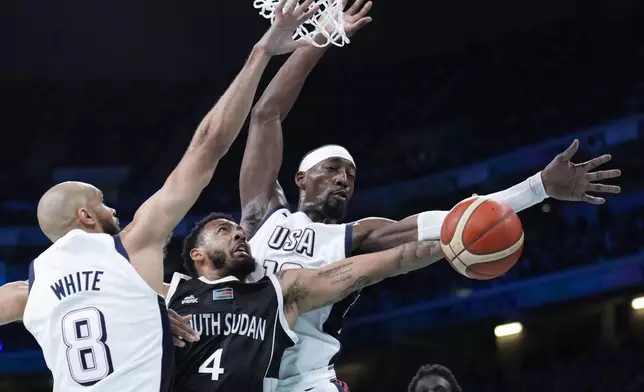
x,y
308,289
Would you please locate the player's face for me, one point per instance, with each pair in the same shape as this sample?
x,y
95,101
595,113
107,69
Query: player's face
x,y
433,384
105,216
329,185
225,244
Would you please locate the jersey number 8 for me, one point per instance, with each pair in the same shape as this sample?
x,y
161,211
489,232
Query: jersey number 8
x,y
88,356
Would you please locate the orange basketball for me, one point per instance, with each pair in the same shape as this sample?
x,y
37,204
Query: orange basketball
x,y
482,238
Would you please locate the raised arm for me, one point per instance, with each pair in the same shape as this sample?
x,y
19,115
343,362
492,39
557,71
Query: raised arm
x,y
259,189
561,179
307,289
13,299
155,219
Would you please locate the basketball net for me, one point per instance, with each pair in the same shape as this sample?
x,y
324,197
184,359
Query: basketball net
x,y
328,22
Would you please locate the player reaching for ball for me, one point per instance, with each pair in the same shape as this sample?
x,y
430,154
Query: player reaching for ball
x,y
91,301
313,236
245,327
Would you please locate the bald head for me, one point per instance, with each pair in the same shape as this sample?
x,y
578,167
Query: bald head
x,y
73,205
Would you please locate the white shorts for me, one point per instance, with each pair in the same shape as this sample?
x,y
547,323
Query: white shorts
x,y
332,386
320,380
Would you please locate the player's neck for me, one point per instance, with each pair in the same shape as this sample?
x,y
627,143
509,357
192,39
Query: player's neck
x,y
217,274
316,215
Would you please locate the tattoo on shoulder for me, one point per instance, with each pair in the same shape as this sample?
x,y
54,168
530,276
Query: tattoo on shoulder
x,y
295,293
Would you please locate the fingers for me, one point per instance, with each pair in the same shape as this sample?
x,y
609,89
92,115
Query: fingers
x,y
363,22
291,6
595,162
309,14
355,7
178,342
180,326
279,8
364,11
603,175
567,155
602,188
592,199
300,8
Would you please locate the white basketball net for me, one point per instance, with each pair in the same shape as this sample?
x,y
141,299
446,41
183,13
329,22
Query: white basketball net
x,y
328,22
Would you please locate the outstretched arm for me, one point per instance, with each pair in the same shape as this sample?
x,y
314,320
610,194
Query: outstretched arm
x,y
561,179
259,189
307,289
13,299
155,219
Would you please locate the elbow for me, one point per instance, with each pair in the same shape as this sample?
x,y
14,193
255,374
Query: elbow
x,y
216,141
372,243
265,112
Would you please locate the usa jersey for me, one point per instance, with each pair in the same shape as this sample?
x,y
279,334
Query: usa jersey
x,y
243,333
100,326
292,240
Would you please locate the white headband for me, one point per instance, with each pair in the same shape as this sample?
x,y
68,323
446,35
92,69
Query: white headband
x,y
322,153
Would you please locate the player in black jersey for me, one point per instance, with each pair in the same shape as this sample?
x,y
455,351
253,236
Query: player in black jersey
x,y
245,327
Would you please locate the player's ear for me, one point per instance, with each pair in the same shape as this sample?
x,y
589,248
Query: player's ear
x,y
299,179
86,216
196,254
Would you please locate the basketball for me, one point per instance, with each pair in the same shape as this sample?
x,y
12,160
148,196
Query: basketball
x,y
482,238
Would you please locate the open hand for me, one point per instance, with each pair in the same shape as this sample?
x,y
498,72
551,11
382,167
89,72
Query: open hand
x,y
356,17
565,180
181,330
288,17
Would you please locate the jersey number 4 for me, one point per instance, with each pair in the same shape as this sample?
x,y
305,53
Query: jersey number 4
x,y
88,356
212,365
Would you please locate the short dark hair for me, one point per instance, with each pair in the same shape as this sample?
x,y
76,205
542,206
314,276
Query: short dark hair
x,y
193,240
434,370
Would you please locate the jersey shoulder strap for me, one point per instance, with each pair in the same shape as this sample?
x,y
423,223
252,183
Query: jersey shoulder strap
x,y
174,283
281,315
279,211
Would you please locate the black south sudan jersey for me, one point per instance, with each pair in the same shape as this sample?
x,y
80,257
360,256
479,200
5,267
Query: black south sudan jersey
x,y
243,334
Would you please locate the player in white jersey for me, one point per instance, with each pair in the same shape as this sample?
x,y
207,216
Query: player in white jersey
x,y
92,302
245,327
313,236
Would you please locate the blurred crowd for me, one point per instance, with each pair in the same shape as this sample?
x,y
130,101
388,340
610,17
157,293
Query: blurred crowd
x,y
400,121
552,244
596,371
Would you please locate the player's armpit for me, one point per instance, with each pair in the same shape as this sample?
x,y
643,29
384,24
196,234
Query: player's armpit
x,y
13,299
308,289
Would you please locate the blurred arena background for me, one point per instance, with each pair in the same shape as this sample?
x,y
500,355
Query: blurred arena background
x,y
436,100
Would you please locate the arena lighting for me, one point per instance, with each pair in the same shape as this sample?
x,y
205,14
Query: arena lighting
x,y
508,329
638,303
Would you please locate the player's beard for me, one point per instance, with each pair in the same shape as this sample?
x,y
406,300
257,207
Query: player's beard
x,y
238,267
110,226
334,209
